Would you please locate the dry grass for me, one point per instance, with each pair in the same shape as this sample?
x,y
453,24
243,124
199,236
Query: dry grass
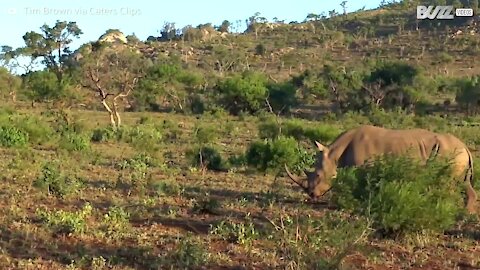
x,y
160,226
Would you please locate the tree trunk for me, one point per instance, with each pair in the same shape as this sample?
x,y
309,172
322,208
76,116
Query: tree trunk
x,y
112,115
13,94
117,114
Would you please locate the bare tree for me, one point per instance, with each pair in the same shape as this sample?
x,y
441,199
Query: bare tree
x,y
344,7
377,92
112,75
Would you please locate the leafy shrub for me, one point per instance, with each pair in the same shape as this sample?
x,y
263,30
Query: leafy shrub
x,y
65,222
243,93
237,160
103,134
395,119
165,188
190,253
11,136
271,155
206,205
206,157
135,171
243,233
281,97
38,131
144,138
205,134
197,104
54,182
299,130
72,141
43,85
115,222
303,241
400,194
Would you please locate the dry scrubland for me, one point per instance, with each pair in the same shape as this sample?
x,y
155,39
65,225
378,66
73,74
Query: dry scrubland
x,y
138,203
202,186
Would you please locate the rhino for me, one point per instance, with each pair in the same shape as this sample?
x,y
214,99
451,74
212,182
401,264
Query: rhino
x,y
359,145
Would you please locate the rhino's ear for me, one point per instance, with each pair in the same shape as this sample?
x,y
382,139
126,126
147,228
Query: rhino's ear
x,y
321,147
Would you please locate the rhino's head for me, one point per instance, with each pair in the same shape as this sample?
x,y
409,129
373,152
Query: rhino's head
x,y
318,182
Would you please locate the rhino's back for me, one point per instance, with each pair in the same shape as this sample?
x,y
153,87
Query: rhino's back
x,y
367,142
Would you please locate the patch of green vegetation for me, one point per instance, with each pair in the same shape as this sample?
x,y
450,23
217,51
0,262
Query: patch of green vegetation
x,y
271,155
64,222
242,233
106,134
72,141
165,188
135,172
53,181
11,136
302,240
116,222
400,195
206,157
190,252
298,129
206,205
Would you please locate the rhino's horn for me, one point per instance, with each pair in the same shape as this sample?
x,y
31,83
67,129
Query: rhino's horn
x,y
294,178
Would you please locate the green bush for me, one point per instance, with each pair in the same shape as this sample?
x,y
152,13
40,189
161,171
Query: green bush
x,y
64,222
281,97
299,130
243,93
165,188
400,195
243,233
190,253
11,136
38,131
42,85
318,243
271,155
145,138
54,182
103,134
135,171
116,222
205,134
206,157
72,141
198,104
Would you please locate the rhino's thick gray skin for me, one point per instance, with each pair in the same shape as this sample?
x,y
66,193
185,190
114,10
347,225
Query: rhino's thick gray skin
x,y
354,147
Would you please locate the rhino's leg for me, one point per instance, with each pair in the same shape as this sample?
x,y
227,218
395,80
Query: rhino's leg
x,y
471,204
461,161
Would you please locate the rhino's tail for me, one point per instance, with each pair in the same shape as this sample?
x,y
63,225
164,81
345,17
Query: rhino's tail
x,y
469,173
471,194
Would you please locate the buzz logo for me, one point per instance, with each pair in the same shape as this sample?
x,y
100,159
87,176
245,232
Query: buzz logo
x,y
442,12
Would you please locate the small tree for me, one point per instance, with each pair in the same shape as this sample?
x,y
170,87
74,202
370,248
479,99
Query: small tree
x,y
42,86
224,27
169,31
246,92
445,59
170,81
8,63
468,93
52,45
112,73
344,7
